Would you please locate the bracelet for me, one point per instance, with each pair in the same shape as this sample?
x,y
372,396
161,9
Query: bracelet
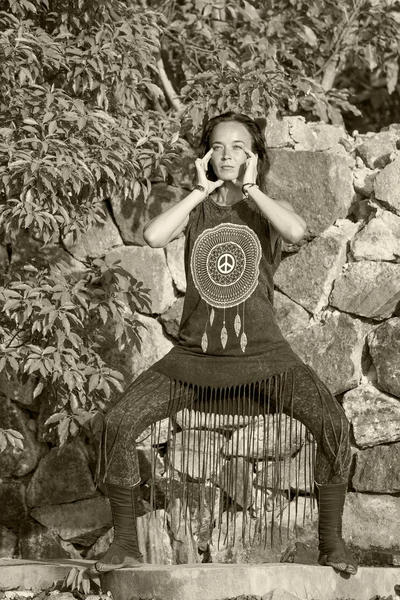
x,y
247,185
200,187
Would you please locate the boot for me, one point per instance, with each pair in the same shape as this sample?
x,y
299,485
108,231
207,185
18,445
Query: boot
x,y
332,549
124,550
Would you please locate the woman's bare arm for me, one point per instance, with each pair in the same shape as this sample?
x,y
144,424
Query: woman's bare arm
x,y
169,224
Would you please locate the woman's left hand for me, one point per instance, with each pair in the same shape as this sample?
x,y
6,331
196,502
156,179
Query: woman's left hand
x,y
250,174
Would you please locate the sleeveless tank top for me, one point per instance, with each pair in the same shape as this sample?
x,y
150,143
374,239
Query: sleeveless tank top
x,y
228,333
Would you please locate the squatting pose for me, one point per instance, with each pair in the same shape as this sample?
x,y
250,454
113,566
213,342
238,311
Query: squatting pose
x,y
229,340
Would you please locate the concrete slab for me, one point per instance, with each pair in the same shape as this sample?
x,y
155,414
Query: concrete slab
x,y
35,575
218,581
210,581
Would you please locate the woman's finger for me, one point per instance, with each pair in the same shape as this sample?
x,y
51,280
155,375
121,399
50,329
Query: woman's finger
x,y
249,152
207,156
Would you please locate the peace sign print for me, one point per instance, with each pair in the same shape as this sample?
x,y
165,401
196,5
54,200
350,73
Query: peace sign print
x,y
225,264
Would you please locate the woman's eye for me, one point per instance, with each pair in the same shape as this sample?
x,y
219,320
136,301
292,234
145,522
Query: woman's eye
x,y
238,147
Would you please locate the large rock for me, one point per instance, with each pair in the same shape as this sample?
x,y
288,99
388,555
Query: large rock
x,y
176,264
12,502
95,242
363,181
308,275
16,462
279,594
376,150
81,522
154,346
279,437
289,315
195,419
131,215
62,476
131,361
8,543
384,346
236,480
301,475
150,463
372,521
301,134
154,541
375,416
101,545
387,185
21,393
273,475
148,265
28,250
318,185
326,136
38,543
182,541
333,348
379,240
227,544
299,520
277,131
202,504
195,453
171,319
368,288
377,470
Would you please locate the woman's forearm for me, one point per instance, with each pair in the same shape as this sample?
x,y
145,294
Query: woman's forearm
x,y
289,224
160,230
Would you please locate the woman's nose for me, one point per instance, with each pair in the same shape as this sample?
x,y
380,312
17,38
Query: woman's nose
x,y
226,153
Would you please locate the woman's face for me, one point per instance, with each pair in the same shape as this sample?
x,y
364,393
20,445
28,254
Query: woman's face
x,y
228,141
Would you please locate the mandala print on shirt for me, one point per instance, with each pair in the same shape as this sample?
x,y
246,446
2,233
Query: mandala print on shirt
x,y
225,268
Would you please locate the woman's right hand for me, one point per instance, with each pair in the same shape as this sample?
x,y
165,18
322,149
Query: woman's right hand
x,y
201,165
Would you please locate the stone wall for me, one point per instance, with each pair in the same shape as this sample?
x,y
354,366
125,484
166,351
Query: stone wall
x,y
337,301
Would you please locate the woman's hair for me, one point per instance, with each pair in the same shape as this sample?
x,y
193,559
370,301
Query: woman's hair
x,y
259,145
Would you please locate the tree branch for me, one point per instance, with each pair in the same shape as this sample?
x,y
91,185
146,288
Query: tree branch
x,y
168,87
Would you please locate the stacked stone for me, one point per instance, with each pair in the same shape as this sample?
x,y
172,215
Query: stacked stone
x,y
337,302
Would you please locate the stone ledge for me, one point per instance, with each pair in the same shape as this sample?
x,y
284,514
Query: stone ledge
x,y
35,575
211,581
217,581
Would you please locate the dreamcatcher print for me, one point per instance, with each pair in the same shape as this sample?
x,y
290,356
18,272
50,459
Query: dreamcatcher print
x,y
225,268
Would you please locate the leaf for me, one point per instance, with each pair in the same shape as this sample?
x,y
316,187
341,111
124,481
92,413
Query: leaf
x,y
243,342
224,337
52,127
370,55
310,36
392,75
204,342
55,418
237,324
3,441
71,577
212,316
86,586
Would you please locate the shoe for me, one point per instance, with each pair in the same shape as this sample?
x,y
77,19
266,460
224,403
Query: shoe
x,y
333,551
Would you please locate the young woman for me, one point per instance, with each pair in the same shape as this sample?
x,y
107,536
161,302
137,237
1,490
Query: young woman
x,y
230,345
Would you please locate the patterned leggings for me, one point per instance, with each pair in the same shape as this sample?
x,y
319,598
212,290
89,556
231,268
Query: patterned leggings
x,y
298,392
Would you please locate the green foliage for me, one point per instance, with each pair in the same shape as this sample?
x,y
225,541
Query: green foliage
x,y
11,437
318,58
98,99
76,128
